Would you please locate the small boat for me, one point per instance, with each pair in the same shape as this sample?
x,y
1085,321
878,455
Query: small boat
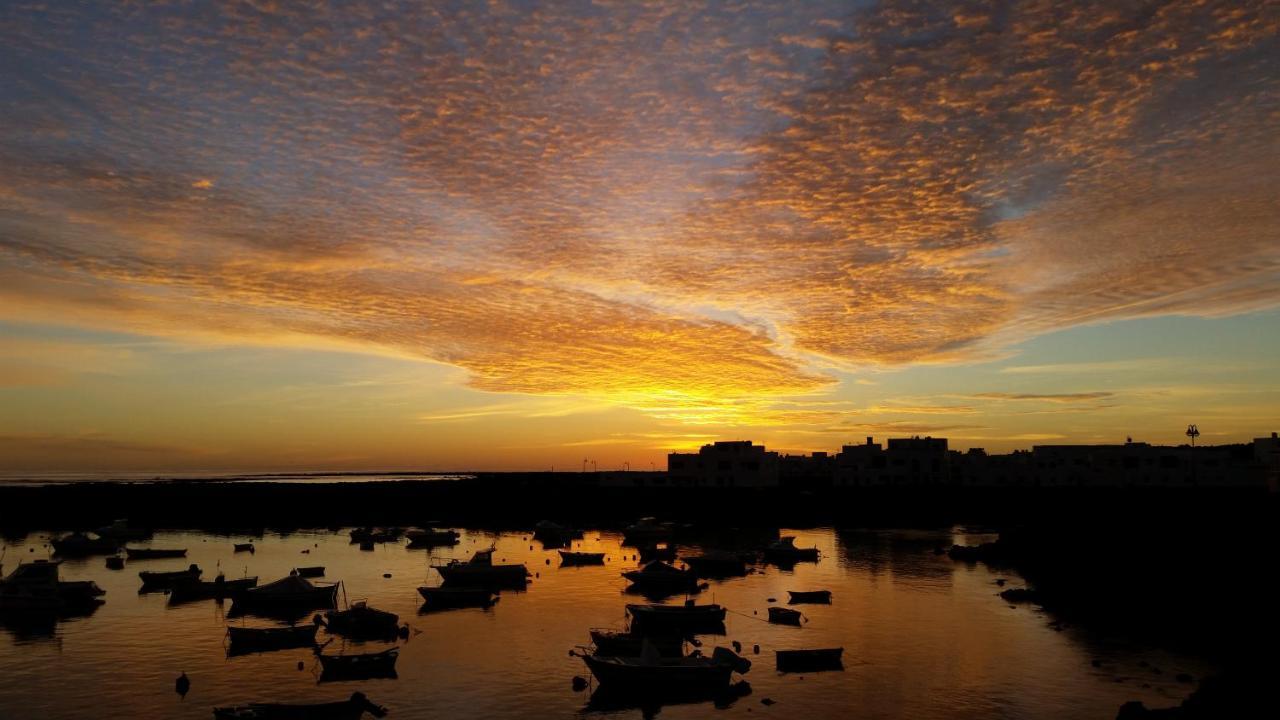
x,y
718,563
115,562
620,643
219,588
784,551
152,580
651,671
154,553
351,709
252,639
431,537
120,531
819,597
314,571
36,586
376,535
361,621
647,531
456,597
358,666
688,616
581,558
552,534
784,616
81,545
661,576
480,571
286,596
244,547
810,660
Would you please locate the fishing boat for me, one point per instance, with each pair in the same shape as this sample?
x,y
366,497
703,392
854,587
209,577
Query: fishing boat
x,y
810,660
623,643
358,666
819,597
376,535
286,596
115,562
243,547
552,534
456,597
652,671
658,575
219,588
430,537
647,531
480,571
784,551
314,571
784,616
717,563
581,558
152,580
154,553
81,545
253,639
36,586
120,531
361,621
687,617
351,709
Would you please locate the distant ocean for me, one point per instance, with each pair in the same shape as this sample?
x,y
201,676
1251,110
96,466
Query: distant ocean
x,y
313,478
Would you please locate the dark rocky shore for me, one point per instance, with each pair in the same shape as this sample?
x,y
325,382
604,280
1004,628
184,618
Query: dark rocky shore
x,y
1189,569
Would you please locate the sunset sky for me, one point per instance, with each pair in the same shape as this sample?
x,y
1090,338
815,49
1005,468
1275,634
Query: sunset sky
x,y
512,235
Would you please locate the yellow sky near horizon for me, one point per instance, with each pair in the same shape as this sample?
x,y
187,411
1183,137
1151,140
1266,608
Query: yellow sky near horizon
x,y
484,237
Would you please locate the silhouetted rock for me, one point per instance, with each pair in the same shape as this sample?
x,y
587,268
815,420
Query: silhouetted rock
x,y
1020,595
1231,695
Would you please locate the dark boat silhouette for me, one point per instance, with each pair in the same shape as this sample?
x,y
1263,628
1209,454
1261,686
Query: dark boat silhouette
x,y
783,551
658,575
784,616
818,597
37,587
287,596
220,588
154,553
164,580
361,621
245,640
358,666
456,597
810,660
626,643
480,571
581,558
81,545
431,537
718,563
313,571
688,617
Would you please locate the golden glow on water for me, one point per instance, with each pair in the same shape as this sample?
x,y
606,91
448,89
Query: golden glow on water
x,y
923,637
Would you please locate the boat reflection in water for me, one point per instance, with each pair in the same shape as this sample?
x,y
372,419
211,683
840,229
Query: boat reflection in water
x,y
351,709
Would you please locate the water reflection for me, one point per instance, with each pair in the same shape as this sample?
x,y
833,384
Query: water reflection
x,y
922,636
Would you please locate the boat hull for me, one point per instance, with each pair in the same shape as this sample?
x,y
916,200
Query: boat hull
x,y
668,675
250,640
810,660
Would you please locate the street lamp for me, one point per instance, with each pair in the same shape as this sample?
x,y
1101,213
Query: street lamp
x,y
1193,432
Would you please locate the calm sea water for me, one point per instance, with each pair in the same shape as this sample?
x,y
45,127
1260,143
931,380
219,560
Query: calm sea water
x,y
924,637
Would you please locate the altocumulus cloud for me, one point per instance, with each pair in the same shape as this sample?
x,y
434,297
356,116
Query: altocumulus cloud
x,y
667,205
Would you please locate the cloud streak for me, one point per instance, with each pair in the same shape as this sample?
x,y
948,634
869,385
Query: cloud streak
x,y
692,210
